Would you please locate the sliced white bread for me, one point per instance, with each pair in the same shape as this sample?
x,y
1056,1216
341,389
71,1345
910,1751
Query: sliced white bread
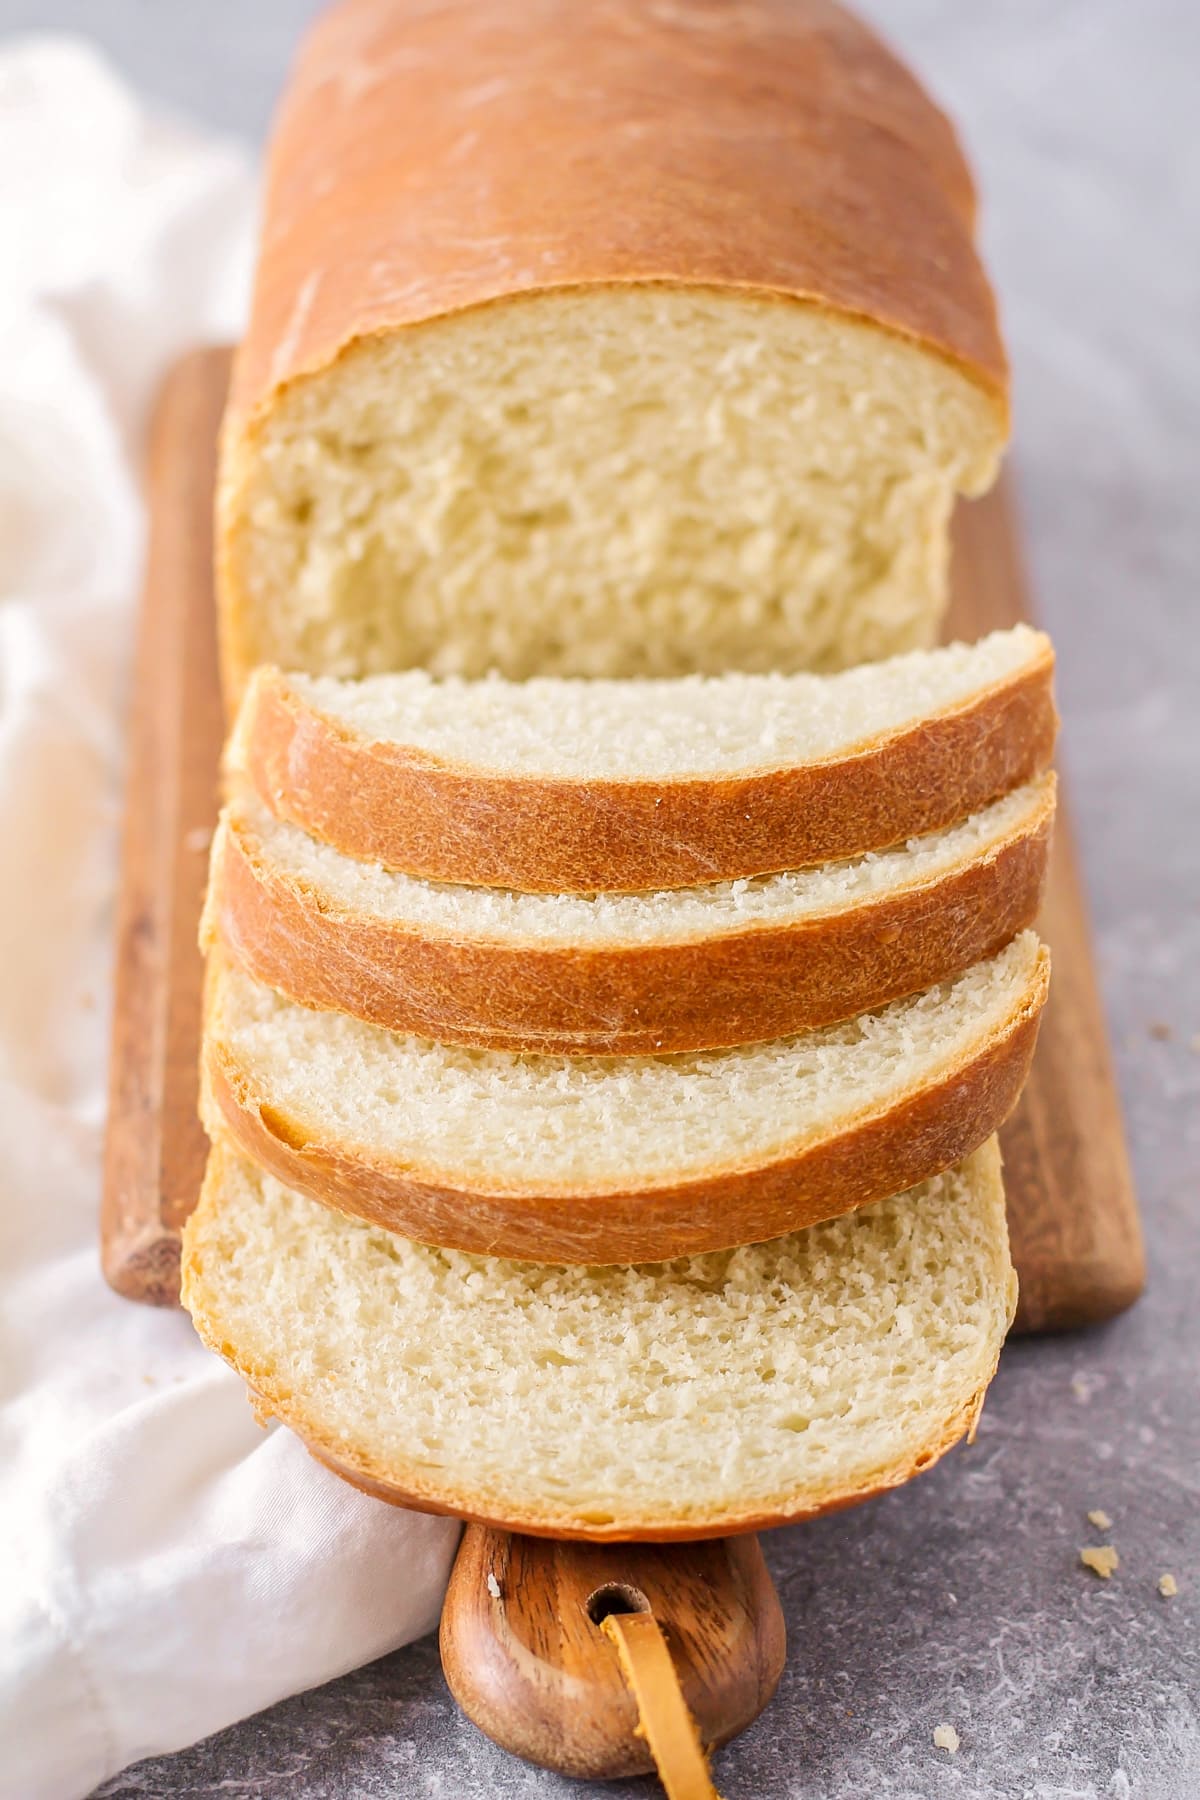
x,y
712,1394
593,1160
623,974
565,786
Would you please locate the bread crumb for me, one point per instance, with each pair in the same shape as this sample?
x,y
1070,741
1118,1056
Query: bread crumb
x,y
946,1738
1167,1586
1100,1520
1159,1030
493,1586
198,839
1102,1559
258,1406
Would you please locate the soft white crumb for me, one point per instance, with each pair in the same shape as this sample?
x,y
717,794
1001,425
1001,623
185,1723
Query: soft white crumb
x,y
1100,1520
1102,1559
1167,1586
946,1738
493,1586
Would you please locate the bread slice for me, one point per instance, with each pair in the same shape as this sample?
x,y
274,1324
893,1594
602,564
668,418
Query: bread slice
x,y
623,974
712,1394
600,339
575,786
580,1160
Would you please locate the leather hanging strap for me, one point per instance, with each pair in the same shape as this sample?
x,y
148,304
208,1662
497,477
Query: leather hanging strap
x,y
665,1722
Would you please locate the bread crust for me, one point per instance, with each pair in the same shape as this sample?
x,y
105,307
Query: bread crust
x,y
416,1489
787,153
702,992
445,821
785,156
871,1156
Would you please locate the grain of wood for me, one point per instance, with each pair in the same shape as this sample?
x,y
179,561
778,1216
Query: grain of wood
x,y
155,1149
1072,1212
530,1663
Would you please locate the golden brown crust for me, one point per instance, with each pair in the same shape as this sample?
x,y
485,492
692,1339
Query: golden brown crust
x,y
443,821
761,982
421,1489
783,151
871,1157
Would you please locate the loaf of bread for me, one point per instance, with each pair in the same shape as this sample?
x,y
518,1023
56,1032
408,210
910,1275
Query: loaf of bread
x,y
593,337
623,974
578,786
712,1394
580,1159
608,976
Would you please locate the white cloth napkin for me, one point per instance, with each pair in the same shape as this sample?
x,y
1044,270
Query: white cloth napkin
x,y
165,1567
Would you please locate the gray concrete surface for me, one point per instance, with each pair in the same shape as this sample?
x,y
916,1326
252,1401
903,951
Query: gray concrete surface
x,y
960,1599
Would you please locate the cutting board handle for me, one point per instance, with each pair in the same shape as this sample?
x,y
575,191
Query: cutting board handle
x,y
528,1658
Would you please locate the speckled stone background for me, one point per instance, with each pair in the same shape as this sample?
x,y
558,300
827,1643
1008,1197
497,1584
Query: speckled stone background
x,y
960,1599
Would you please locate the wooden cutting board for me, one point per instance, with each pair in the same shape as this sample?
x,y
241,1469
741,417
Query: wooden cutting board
x,y
1072,1211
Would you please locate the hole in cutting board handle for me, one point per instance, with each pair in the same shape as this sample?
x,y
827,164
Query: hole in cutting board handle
x,y
614,1597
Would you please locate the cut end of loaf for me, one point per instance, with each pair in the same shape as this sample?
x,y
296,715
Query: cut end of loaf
x,y
626,480
716,1393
